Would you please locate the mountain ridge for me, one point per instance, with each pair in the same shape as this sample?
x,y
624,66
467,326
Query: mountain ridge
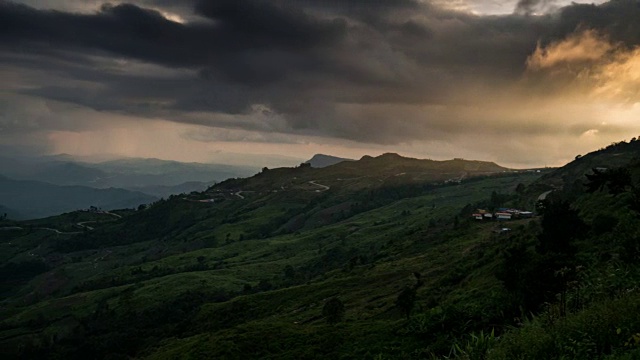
x,y
34,199
260,258
323,160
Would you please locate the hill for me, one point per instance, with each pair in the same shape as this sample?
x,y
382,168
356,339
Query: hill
x,y
120,173
614,155
68,173
386,170
321,160
294,263
164,191
132,172
33,199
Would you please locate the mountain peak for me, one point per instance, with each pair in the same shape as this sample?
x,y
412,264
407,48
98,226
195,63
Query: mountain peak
x,y
391,155
322,160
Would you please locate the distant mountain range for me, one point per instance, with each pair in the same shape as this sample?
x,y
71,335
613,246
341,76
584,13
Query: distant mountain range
x,y
44,186
123,173
48,185
11,214
26,199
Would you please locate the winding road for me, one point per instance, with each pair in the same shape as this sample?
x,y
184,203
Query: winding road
x,y
324,187
544,195
80,224
112,214
47,229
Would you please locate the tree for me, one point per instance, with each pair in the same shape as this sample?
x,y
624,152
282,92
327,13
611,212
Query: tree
x,y
514,261
289,272
264,285
596,181
406,300
627,235
497,200
560,226
634,201
616,180
619,179
333,311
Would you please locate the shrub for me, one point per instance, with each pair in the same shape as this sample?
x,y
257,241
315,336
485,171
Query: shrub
x,y
333,311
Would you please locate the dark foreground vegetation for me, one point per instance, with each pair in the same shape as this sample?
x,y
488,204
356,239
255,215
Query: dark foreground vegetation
x,y
386,265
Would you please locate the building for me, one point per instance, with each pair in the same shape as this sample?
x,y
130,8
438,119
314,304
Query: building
x,y
503,216
526,214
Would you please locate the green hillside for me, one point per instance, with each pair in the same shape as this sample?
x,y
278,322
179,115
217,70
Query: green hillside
x,y
371,259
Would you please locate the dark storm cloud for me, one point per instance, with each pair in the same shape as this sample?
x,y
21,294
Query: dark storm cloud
x,y
618,19
131,31
259,23
528,7
319,64
123,29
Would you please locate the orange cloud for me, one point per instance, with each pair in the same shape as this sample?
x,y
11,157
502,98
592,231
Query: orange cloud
x,y
589,63
582,48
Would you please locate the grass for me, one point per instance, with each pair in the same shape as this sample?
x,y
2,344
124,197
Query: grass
x,y
167,282
366,259
604,330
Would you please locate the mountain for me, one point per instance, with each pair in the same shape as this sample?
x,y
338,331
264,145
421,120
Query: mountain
x,y
377,258
386,170
121,173
11,214
614,155
153,177
132,172
68,173
32,199
164,191
393,164
321,160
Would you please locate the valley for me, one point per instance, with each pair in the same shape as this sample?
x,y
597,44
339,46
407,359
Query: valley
x,y
36,187
247,266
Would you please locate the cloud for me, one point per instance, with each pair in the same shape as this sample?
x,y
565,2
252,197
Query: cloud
x,y
618,19
145,34
261,23
380,73
588,62
580,48
529,7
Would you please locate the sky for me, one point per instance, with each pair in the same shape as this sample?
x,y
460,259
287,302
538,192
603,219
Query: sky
x,y
524,83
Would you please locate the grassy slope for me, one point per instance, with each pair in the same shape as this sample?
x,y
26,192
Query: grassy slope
x,y
394,239
602,303
248,275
